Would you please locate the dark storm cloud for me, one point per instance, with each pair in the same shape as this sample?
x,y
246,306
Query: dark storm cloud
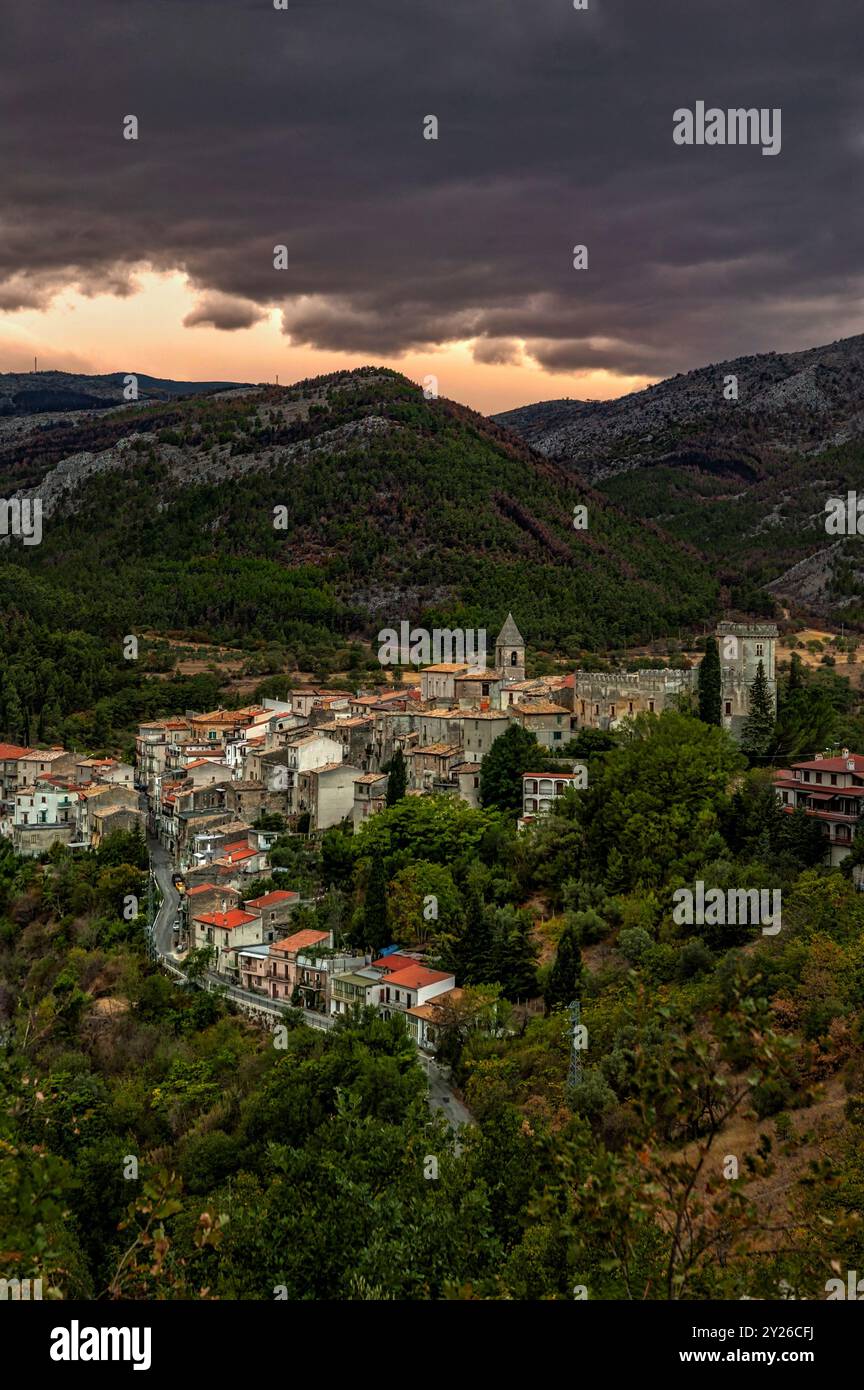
x,y
303,127
221,311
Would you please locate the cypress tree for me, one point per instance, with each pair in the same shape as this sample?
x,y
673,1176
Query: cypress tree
x,y
562,985
397,779
376,931
13,712
759,727
476,944
709,684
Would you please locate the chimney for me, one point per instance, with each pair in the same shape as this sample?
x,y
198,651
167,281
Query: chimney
x,y
845,752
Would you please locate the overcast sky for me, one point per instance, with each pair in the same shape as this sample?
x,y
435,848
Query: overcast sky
x,y
304,127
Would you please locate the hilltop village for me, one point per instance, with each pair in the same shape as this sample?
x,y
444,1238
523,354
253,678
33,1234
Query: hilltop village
x,y
215,791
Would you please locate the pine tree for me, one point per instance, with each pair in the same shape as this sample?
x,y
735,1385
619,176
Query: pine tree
x,y
759,728
376,931
475,949
796,679
709,684
397,779
14,714
514,954
512,754
562,986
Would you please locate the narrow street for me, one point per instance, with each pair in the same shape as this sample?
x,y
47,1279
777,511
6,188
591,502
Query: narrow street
x,y
442,1097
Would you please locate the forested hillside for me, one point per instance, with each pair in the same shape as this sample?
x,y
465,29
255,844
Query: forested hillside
x,y
305,516
155,1144
737,459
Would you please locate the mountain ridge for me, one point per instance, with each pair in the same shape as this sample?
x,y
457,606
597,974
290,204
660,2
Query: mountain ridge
x,y
395,506
745,481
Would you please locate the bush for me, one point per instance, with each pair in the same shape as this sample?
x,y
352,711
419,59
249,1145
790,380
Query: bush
x,y
634,943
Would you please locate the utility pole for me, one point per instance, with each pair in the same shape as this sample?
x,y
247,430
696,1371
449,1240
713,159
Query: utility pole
x,y
574,1073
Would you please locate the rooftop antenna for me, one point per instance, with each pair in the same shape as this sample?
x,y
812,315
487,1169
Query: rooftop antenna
x,y
35,360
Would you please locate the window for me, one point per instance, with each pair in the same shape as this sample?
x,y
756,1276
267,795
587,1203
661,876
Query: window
x,y
650,706
596,709
758,648
729,708
513,659
556,737
611,711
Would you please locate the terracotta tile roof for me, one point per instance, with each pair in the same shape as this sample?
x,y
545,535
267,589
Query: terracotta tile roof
x,y
12,750
833,765
394,962
430,1011
416,977
356,722
300,940
279,895
226,921
464,714
540,707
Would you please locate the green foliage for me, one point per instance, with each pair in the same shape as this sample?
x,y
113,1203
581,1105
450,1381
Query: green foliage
x,y
512,754
563,985
397,779
759,726
709,684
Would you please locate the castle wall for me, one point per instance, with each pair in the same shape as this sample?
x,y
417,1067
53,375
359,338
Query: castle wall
x,y
603,698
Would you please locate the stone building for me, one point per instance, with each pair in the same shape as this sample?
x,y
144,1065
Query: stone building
x,y
510,652
603,698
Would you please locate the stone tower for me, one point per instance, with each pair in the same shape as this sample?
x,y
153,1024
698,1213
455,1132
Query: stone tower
x,y
742,646
510,652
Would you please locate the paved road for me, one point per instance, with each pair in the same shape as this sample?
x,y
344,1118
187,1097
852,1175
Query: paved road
x,y
442,1097
163,937
163,928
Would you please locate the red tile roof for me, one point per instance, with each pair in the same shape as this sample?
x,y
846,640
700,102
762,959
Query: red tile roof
x,y
835,764
279,895
236,856
301,939
394,962
12,750
416,977
226,921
